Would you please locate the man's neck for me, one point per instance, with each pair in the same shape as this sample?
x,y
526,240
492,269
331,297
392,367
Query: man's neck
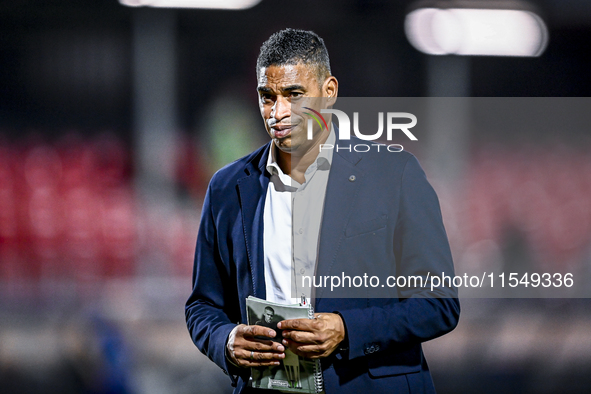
x,y
296,165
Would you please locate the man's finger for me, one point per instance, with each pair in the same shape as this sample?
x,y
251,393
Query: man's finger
x,y
305,347
251,364
298,324
254,341
257,363
252,331
255,356
262,346
302,336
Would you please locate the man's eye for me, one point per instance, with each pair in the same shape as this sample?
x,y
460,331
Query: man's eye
x,y
266,97
296,95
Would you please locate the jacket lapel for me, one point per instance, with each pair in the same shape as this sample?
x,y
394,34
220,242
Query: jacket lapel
x,y
252,190
343,185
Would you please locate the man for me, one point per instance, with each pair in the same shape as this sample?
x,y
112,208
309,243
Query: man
x,y
267,318
376,209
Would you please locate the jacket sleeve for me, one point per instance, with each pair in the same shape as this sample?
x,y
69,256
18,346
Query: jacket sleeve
x,y
421,249
208,309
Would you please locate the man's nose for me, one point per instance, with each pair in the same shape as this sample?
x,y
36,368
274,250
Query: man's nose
x,y
281,109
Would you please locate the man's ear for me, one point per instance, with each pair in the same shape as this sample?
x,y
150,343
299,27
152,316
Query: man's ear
x,y
330,88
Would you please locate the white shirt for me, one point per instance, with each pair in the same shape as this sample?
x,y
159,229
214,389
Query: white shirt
x,y
292,218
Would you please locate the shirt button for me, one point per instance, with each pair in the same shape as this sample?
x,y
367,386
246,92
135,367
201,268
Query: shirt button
x,y
301,231
302,271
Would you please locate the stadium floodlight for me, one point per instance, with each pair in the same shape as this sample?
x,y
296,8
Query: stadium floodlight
x,y
212,4
456,30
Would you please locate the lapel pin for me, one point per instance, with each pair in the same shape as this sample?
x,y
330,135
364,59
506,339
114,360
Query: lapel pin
x,y
352,178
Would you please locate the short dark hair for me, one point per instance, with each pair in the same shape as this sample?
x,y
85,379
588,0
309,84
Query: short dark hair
x,y
291,46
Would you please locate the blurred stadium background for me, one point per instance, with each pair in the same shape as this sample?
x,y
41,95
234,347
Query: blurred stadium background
x,y
113,119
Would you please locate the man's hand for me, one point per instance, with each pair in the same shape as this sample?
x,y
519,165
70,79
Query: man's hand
x,y
248,349
313,338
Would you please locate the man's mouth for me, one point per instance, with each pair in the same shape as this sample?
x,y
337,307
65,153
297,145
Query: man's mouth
x,y
282,131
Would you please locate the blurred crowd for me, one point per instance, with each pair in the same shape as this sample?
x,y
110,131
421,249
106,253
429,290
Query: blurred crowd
x,y
69,210
523,209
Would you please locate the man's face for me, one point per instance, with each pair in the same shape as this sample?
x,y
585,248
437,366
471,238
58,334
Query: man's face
x,y
268,315
283,92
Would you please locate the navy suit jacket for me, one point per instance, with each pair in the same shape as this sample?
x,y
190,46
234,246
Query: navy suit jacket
x,y
380,211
